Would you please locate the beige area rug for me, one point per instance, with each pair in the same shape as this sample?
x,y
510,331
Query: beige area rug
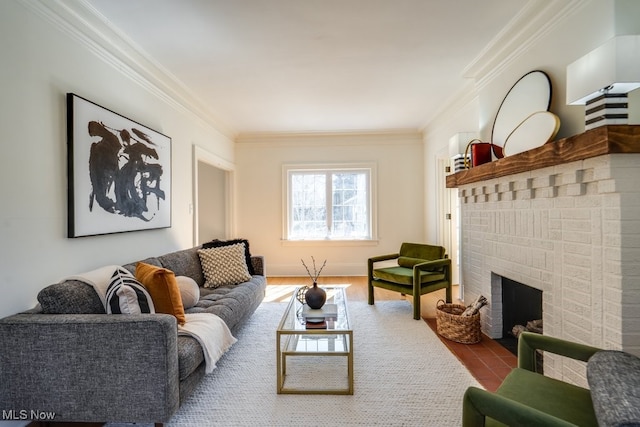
x,y
404,376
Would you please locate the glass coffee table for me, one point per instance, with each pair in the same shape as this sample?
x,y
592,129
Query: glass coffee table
x,y
324,374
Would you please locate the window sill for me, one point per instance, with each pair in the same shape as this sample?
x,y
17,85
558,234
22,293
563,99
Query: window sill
x,y
369,242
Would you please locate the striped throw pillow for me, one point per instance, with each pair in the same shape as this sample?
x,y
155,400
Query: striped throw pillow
x,y
125,295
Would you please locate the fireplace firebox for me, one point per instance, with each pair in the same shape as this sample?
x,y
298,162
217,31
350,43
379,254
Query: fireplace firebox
x,y
521,307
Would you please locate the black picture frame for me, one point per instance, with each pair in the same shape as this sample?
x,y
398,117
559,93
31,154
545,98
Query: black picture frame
x,y
119,172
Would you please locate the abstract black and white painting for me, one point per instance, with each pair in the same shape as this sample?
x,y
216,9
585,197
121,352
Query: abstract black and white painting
x,y
119,172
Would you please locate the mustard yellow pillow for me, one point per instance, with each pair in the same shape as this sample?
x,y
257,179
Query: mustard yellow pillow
x,y
163,288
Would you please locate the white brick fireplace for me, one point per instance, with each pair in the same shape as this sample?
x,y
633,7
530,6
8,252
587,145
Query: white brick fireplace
x,y
571,230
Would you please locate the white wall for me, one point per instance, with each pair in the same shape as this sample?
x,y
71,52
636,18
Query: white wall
x,y
42,61
557,35
259,161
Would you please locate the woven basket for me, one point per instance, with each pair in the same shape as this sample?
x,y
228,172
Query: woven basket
x,y
462,329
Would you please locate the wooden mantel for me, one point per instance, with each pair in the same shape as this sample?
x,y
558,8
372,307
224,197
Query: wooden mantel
x,y
595,142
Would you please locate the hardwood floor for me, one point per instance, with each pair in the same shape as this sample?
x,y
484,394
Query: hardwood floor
x,y
487,360
356,291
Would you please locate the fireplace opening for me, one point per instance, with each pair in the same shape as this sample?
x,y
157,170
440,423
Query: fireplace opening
x,y
521,310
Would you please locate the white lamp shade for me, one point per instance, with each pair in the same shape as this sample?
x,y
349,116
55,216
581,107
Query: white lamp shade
x,y
615,64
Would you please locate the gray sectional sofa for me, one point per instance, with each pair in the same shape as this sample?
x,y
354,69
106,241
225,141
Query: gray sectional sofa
x,y
68,357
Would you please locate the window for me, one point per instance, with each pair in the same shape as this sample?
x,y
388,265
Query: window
x,y
329,202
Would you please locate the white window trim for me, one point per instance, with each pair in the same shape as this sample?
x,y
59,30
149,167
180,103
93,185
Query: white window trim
x,y
373,201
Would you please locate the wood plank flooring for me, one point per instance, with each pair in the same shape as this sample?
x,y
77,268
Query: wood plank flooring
x,y
356,291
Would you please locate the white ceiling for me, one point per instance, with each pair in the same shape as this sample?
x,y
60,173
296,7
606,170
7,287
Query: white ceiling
x,y
315,65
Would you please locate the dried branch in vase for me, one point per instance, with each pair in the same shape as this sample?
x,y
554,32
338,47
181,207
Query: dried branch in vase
x,y
316,272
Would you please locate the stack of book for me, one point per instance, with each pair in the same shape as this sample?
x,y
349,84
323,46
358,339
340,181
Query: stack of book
x,y
317,318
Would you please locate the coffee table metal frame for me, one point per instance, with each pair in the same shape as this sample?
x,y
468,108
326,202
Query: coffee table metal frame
x,y
292,333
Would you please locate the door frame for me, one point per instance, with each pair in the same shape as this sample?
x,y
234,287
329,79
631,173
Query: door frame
x,y
448,218
200,154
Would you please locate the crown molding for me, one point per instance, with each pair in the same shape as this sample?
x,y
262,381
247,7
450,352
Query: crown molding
x,y
288,139
533,22
82,22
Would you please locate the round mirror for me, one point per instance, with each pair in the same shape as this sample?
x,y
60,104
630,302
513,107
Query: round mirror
x,y
530,94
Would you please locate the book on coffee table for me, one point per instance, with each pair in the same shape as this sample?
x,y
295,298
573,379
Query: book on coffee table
x,y
327,311
316,325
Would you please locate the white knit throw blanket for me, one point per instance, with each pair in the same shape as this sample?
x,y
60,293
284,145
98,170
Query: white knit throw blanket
x,y
212,333
98,278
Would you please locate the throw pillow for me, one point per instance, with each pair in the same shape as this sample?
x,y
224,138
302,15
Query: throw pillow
x,y
247,253
163,288
125,295
189,291
225,265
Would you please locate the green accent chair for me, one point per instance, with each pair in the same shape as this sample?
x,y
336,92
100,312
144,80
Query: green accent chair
x,y
421,269
527,398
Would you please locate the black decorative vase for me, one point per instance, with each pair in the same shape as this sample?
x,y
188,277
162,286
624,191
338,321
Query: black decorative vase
x,y
315,296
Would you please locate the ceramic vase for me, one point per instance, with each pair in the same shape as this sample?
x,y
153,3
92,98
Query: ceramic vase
x,y
315,296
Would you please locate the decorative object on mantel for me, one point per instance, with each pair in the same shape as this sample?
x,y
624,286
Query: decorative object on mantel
x,y
479,155
539,126
601,79
596,142
529,95
523,120
457,146
314,296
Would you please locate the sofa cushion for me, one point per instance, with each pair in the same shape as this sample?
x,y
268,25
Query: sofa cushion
x,y
70,297
247,252
163,288
225,265
190,356
125,295
614,380
234,303
184,263
132,266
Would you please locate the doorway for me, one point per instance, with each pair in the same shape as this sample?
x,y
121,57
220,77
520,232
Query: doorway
x,y
213,197
449,220
212,215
